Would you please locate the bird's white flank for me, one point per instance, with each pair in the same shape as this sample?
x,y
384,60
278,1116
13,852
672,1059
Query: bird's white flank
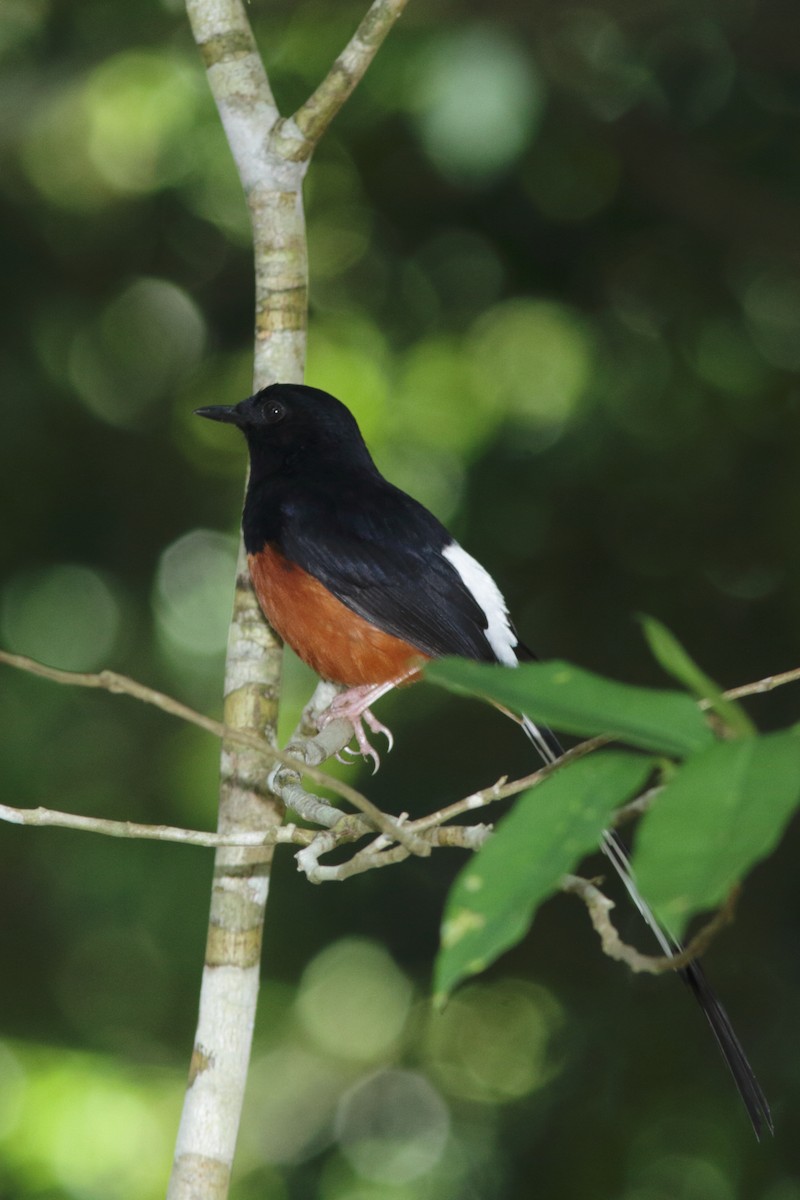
x,y
478,581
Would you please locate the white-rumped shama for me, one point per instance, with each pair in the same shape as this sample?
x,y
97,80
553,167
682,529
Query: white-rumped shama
x,y
365,585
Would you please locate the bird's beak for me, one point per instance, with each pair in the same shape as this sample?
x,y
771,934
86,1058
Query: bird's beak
x,y
220,412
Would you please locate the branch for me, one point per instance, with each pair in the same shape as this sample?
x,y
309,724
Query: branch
x,y
427,832
160,833
238,82
271,158
503,788
229,990
398,838
308,751
380,852
112,681
635,808
307,748
762,685
314,117
600,907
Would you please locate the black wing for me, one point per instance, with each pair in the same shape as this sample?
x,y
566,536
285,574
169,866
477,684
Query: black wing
x,y
380,552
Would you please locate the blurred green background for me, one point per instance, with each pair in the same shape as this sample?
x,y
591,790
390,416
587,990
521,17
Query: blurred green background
x,y
555,258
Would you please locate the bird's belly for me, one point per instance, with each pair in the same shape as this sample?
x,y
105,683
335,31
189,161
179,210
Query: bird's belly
x,y
338,643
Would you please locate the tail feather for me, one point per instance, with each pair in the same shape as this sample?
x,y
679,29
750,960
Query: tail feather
x,y
545,741
744,1077
550,749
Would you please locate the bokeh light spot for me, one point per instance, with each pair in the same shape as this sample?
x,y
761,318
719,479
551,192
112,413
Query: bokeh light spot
x,y
726,358
438,399
353,1000
87,1129
194,591
143,345
393,1127
495,1042
226,379
127,130
55,155
292,1098
480,100
534,358
350,360
67,616
433,477
338,239
138,104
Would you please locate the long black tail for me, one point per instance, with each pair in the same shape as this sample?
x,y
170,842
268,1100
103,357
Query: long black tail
x,y
693,976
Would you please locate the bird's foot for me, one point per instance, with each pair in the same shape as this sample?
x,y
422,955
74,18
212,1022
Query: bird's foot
x,y
353,706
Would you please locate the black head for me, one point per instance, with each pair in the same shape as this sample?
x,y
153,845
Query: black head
x,y
290,427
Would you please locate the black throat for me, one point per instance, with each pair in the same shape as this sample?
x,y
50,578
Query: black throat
x,y
304,493
261,518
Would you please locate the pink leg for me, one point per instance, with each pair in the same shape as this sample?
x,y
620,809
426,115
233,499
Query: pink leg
x,y
354,706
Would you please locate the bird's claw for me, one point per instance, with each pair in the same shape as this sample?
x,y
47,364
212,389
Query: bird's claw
x,y
351,754
365,747
353,706
378,727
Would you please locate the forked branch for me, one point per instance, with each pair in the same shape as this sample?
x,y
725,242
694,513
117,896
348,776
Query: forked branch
x,y
314,117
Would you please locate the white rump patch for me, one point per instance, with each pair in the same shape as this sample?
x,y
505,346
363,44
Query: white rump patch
x,y
485,591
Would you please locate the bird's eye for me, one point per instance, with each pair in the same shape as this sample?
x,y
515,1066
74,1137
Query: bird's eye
x,y
274,412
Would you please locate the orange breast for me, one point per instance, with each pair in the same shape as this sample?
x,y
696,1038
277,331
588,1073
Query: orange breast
x,y
338,643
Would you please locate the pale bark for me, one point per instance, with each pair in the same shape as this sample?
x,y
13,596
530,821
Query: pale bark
x,y
271,155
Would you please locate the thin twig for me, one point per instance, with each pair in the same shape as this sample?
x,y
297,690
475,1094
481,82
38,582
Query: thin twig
x,y
305,751
472,802
160,833
112,681
314,117
504,788
636,807
600,907
762,685
380,852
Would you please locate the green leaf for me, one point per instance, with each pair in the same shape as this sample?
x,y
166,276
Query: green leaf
x,y
723,811
550,829
575,701
670,654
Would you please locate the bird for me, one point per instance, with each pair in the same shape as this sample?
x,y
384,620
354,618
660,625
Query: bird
x,y
367,585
